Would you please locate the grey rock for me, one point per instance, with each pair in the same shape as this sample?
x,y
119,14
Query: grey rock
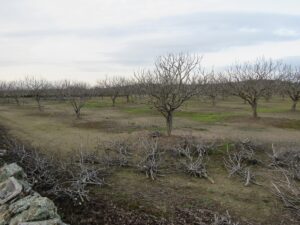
x,y
45,222
22,204
11,170
19,205
40,209
27,188
4,214
9,189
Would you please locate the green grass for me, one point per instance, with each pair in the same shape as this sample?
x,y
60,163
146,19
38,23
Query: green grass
x,y
290,124
140,110
210,117
271,109
105,102
203,117
97,104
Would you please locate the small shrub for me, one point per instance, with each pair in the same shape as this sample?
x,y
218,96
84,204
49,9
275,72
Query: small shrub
x,y
150,158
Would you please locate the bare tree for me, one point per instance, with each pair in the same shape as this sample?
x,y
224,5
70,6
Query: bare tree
x,y
16,90
252,81
127,89
113,87
269,94
77,94
291,84
99,90
37,89
172,82
3,89
60,89
212,87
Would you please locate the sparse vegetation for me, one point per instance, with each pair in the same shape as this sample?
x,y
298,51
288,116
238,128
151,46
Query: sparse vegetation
x,y
57,177
150,162
288,192
120,148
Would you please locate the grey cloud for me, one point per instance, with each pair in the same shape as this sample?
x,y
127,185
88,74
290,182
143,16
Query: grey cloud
x,y
206,32
205,25
198,32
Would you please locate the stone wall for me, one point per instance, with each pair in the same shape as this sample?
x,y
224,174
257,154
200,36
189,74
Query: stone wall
x,y
19,204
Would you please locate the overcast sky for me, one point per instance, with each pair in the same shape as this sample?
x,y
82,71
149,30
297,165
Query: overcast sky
x,y
89,39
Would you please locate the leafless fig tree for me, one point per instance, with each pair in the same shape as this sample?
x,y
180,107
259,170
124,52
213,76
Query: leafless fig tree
x,y
113,87
172,82
16,90
291,84
3,89
99,90
128,89
212,87
252,80
37,89
77,94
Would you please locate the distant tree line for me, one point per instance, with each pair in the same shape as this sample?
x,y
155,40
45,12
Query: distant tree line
x,y
174,79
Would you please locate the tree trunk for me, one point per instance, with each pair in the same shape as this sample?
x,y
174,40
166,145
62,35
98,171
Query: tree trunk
x,y
38,100
169,120
294,106
254,109
213,101
77,113
17,101
127,99
113,101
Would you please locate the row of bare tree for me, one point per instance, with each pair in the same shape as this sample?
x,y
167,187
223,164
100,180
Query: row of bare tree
x,y
174,79
77,93
177,78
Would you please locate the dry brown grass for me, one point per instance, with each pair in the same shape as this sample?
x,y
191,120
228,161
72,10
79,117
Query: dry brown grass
x,y
57,130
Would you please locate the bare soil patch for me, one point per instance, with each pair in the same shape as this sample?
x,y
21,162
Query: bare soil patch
x,y
110,126
269,121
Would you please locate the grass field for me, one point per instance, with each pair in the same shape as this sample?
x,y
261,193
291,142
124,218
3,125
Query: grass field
x,y
56,130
